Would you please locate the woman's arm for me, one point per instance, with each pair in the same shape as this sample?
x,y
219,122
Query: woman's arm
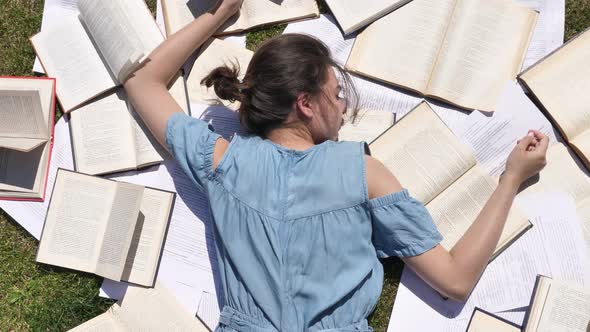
x,y
147,87
455,273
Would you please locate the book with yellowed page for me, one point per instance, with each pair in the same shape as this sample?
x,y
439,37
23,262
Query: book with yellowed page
x,y
559,85
558,306
353,15
442,173
97,51
483,321
113,229
27,110
108,136
216,53
253,13
458,51
144,309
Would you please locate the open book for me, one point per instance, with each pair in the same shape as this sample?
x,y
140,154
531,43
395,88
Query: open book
x,y
558,306
113,229
253,13
96,51
458,51
141,309
109,136
559,85
367,125
353,15
483,321
215,54
27,110
441,172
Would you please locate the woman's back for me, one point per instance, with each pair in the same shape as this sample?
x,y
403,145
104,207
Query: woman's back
x,y
294,229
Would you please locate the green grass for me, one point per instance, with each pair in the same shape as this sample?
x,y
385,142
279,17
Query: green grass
x,y
36,297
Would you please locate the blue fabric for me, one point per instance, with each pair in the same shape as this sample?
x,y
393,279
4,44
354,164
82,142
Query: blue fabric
x,y
297,238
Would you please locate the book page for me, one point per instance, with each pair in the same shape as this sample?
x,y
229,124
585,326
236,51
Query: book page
x,y
367,126
122,32
154,309
402,47
103,141
581,146
353,15
566,100
583,209
483,48
177,89
68,54
101,323
423,153
76,220
484,322
562,173
21,115
53,11
179,13
566,308
45,88
23,171
215,54
120,225
148,237
21,144
455,209
259,12
148,150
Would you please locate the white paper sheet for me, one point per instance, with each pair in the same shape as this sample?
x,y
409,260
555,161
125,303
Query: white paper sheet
x,y
31,215
326,29
552,247
492,138
548,34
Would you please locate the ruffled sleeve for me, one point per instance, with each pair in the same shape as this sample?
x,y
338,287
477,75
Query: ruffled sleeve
x,y
192,142
402,226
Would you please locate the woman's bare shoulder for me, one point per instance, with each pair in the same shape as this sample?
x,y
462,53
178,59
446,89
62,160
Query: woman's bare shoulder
x,y
380,180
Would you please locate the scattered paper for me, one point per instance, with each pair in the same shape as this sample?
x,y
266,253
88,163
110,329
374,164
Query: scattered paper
x,y
553,247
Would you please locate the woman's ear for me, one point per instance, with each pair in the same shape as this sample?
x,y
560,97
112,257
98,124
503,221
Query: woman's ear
x,y
304,105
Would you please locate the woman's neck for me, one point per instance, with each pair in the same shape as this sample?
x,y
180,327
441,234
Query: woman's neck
x,y
295,137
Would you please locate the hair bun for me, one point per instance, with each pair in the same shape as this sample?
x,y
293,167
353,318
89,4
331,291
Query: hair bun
x,y
225,82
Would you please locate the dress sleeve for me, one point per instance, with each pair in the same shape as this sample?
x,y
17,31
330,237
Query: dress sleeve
x,y
192,142
402,226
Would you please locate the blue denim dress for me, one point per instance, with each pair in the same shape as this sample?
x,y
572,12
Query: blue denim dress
x,y
297,238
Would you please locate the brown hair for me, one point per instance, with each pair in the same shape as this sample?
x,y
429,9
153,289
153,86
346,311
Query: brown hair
x,y
281,69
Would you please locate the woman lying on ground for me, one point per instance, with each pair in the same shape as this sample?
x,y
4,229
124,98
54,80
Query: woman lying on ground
x,y
300,220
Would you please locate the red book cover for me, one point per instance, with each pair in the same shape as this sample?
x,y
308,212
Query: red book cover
x,y
51,138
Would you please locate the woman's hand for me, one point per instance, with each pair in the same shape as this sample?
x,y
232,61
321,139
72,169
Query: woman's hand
x,y
528,157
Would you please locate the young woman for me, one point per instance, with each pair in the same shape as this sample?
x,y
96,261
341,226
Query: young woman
x,y
300,219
